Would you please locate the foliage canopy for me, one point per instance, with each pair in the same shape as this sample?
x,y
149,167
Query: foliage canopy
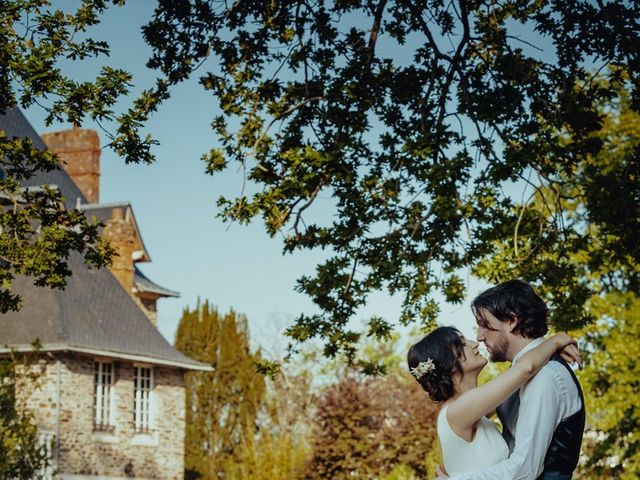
x,y
418,121
414,121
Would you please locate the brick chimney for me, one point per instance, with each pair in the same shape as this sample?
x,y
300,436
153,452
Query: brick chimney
x,y
79,152
119,232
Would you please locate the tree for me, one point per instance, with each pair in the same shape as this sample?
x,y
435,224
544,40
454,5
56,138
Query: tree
x,y
369,427
269,455
22,455
242,423
37,232
610,178
280,448
612,441
418,120
223,405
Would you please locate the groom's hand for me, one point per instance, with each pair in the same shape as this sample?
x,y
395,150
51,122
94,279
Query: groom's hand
x,y
440,473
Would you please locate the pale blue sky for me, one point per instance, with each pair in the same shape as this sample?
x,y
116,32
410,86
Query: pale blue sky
x,y
192,251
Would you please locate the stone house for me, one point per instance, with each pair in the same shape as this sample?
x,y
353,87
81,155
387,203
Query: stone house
x,y
111,402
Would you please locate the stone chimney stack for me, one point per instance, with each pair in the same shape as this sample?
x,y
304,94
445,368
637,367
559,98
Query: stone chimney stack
x,y
119,232
79,152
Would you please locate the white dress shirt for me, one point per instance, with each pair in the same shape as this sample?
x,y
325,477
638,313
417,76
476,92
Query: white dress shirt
x,y
545,400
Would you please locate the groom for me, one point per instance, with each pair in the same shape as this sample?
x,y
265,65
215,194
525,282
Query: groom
x,y
544,420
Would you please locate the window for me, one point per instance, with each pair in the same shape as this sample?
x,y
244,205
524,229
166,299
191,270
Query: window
x,y
143,385
103,396
47,442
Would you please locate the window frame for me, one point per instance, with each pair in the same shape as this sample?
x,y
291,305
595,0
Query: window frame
x,y
143,418
102,422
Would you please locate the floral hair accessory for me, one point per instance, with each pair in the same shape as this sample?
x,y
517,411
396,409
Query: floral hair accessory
x,y
423,368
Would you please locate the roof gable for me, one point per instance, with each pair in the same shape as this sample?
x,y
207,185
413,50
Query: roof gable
x,y
93,313
104,211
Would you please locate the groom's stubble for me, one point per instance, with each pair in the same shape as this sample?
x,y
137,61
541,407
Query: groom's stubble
x,y
499,349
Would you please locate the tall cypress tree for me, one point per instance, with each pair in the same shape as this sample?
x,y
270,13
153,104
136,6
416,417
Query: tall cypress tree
x,y
223,405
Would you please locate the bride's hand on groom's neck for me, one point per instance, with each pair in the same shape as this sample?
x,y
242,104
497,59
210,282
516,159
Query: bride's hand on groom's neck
x,y
572,355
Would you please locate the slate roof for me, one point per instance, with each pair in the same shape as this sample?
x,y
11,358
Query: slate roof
x,y
94,314
144,284
14,124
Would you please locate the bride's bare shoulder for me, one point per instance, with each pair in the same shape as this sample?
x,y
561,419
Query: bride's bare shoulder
x,y
458,422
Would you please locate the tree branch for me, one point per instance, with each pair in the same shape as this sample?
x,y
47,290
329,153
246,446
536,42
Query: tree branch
x,y
375,29
312,197
275,119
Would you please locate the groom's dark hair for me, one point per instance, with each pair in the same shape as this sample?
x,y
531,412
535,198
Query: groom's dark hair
x,y
513,298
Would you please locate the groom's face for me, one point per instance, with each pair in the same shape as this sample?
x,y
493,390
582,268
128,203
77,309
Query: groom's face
x,y
495,336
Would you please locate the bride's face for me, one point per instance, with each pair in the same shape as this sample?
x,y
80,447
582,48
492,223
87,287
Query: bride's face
x,y
472,361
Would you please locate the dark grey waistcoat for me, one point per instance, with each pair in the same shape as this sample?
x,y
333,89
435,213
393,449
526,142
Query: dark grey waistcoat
x,y
564,450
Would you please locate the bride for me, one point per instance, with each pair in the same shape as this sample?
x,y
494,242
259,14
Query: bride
x,y
447,366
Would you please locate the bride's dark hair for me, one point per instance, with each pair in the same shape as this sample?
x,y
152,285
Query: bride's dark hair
x,y
445,348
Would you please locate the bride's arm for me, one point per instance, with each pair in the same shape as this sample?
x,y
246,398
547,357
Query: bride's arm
x,y
467,409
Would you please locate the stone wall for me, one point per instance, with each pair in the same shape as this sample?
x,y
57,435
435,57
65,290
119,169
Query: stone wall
x,y
122,453
120,233
148,303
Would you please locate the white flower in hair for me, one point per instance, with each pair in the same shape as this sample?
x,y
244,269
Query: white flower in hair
x,y
423,368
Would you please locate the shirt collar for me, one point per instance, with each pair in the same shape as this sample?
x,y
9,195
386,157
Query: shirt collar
x,y
533,344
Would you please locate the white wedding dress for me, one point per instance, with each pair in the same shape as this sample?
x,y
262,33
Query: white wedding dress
x,y
459,456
